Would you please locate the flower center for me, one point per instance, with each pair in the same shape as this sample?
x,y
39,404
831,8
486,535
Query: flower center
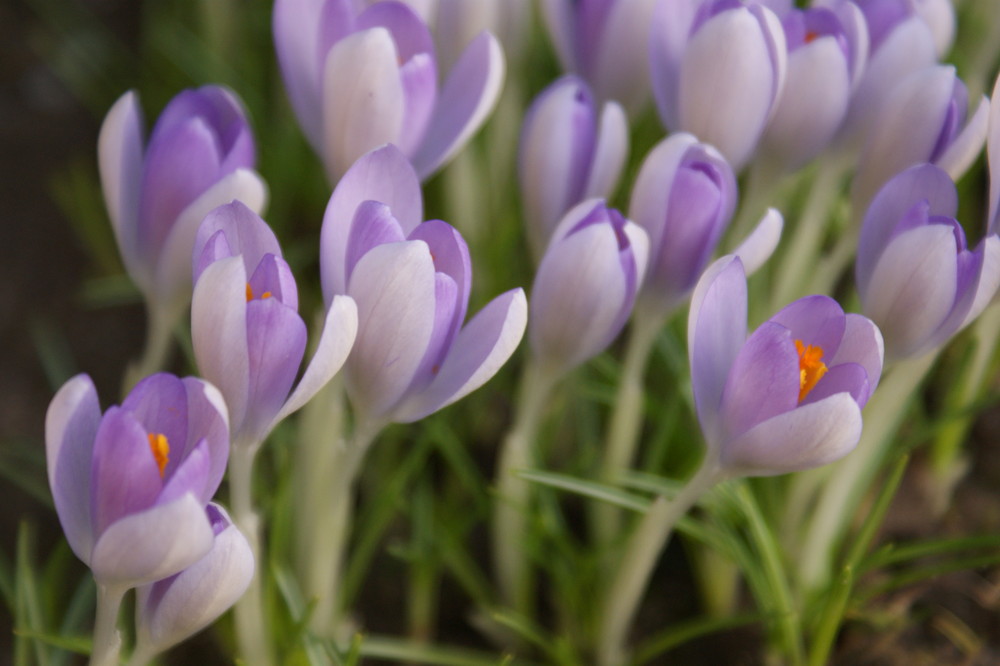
x,y
161,450
266,294
811,367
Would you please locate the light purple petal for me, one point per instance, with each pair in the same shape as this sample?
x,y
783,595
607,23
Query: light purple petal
x,y
175,608
219,332
965,148
610,153
761,243
373,225
245,233
558,18
979,279
620,69
190,476
339,331
297,26
892,203
120,155
862,344
273,276
125,478
480,349
208,421
445,296
803,438
214,249
992,158
70,429
383,175
159,404
419,76
362,98
717,329
147,546
848,378
672,22
393,286
468,97
451,257
408,30
816,321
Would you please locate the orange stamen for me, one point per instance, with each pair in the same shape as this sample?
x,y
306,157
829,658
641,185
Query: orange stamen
x,y
266,294
161,450
811,367
810,36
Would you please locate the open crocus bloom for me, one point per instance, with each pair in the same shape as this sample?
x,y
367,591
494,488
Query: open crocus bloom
x,y
247,334
360,79
787,398
411,281
131,486
917,278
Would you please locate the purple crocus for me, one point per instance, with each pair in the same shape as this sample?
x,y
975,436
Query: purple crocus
x,y
200,155
411,281
170,610
359,79
606,42
789,396
131,486
827,54
586,285
923,119
570,151
917,278
248,337
718,68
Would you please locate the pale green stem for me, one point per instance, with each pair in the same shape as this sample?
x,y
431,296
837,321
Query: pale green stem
x,y
626,419
651,535
252,630
332,527
107,640
801,253
851,477
142,654
160,321
760,185
510,515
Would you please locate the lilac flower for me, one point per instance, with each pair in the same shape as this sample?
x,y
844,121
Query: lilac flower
x,y
827,53
586,285
568,153
923,119
359,80
170,610
789,396
718,68
131,486
248,337
411,281
200,155
606,42
917,279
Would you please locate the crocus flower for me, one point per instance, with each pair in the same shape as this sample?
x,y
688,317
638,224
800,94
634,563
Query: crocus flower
x,y
586,285
917,279
606,42
789,396
175,608
411,281
827,53
131,486
570,151
248,337
358,80
200,155
718,67
923,119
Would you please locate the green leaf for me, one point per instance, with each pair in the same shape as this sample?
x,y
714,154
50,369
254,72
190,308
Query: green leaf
x,y
77,644
382,647
684,632
591,489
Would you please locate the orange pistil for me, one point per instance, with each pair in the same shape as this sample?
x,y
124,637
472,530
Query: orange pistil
x,y
810,36
266,294
161,450
811,367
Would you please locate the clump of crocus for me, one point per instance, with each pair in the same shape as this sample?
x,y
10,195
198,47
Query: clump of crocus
x,y
131,486
411,281
917,278
358,80
718,68
606,42
248,337
200,155
570,151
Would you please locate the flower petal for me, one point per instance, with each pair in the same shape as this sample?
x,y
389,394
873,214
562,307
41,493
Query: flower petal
x,y
609,154
806,437
992,158
468,97
480,349
245,233
150,545
208,421
963,151
815,320
620,69
71,424
761,243
451,257
190,476
373,225
862,344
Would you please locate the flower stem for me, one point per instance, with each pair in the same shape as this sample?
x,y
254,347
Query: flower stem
x,y
626,419
514,494
107,640
252,633
629,582
160,320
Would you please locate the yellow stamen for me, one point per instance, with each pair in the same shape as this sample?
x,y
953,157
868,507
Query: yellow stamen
x,y
266,294
161,450
811,367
